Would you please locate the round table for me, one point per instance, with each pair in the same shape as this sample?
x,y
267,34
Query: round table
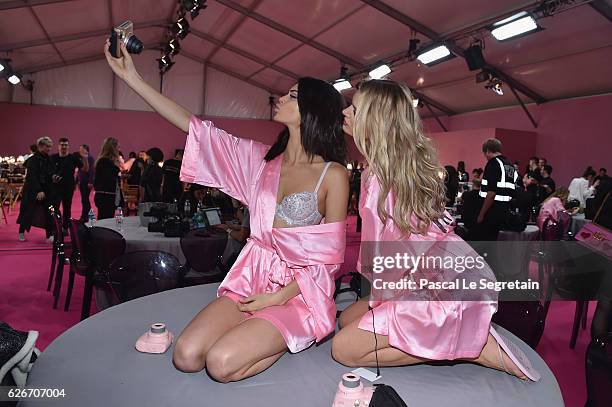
x,y
97,365
578,221
139,238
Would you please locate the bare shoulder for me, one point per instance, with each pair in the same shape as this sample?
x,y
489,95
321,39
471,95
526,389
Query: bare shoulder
x,y
337,174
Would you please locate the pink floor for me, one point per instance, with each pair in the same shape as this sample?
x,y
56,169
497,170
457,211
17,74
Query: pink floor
x,y
26,305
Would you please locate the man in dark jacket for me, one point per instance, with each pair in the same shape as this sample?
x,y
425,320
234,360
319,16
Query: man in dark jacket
x,y
64,165
36,190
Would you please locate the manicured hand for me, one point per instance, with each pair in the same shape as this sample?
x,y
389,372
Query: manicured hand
x,y
259,301
40,196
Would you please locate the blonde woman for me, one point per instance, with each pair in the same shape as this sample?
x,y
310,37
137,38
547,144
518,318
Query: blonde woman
x,y
552,205
402,201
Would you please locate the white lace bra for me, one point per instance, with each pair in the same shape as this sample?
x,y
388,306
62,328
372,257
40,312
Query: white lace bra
x,y
301,208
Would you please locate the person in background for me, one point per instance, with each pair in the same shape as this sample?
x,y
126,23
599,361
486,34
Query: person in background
x,y
195,194
63,166
603,174
583,188
498,185
172,187
603,187
516,166
237,234
477,173
522,200
552,205
33,150
541,163
37,186
85,177
451,184
547,183
106,181
143,156
135,173
463,175
471,205
127,166
533,165
151,180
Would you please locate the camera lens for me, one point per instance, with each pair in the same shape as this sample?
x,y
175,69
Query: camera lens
x,y
133,45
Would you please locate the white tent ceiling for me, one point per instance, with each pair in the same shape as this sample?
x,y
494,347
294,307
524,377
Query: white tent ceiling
x,y
256,47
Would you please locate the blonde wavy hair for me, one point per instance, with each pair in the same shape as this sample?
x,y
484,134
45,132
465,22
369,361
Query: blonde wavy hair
x,y
388,133
109,150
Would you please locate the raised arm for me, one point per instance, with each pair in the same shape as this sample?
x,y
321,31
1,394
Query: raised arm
x,y
124,68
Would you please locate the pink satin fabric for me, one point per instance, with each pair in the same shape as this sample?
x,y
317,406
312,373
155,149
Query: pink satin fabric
x,y
550,209
272,257
436,330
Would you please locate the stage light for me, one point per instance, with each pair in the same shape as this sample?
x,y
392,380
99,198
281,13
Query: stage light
x,y
14,79
435,55
415,103
1,66
344,80
173,47
518,24
193,6
165,63
180,28
496,86
380,71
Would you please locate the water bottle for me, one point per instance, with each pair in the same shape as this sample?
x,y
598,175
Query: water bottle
x,y
187,208
119,218
92,218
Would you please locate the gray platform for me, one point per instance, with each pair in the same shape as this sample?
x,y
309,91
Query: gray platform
x,y
96,363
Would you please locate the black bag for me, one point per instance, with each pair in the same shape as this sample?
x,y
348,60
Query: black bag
x,y
514,222
386,396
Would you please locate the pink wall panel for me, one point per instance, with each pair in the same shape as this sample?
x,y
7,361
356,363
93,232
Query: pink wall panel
x,y
518,145
466,145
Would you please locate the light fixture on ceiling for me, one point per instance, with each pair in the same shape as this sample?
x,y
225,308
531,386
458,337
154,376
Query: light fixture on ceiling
x,y
380,71
496,86
181,28
14,79
514,26
165,63
415,102
435,55
193,7
344,80
173,47
2,65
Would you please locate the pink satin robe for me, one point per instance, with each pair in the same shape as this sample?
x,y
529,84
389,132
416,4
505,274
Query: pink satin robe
x,y
272,257
550,209
436,330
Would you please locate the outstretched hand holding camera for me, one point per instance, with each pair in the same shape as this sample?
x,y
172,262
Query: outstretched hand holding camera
x,y
124,68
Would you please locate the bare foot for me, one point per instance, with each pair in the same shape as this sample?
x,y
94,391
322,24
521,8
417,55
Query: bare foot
x,y
490,357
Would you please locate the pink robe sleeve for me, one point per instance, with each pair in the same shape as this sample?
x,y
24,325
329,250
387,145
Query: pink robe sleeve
x,y
557,206
217,159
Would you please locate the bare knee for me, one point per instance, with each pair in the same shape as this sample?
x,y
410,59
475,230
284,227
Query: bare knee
x,y
220,364
343,350
188,356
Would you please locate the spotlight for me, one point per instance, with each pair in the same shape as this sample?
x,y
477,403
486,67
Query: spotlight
x,y
518,24
193,6
180,28
14,79
165,63
435,55
343,81
380,71
495,85
412,47
2,65
415,103
173,47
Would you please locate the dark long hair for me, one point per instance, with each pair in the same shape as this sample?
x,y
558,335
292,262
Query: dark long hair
x,y
321,122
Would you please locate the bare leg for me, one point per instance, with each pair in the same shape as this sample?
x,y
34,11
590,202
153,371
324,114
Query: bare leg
x,y
203,331
353,312
245,350
354,347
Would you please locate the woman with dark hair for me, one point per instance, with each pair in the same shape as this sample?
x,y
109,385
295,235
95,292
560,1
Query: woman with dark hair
x,y
451,184
106,179
463,175
151,180
278,295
